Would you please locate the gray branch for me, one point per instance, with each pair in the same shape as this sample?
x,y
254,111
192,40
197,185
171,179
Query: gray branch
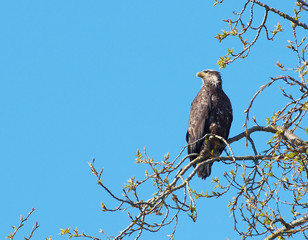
x,y
286,133
287,227
284,15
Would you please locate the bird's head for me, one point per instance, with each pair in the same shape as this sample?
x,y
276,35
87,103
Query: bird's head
x,y
210,77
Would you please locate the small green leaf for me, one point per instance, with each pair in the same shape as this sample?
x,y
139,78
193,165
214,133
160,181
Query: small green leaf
x,y
65,231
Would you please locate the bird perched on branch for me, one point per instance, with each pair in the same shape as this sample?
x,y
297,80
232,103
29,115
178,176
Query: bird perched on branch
x,y
210,112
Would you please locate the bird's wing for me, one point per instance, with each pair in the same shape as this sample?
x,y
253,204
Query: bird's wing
x,y
198,124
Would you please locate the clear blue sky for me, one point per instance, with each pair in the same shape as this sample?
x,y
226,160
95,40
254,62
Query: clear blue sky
x,y
83,79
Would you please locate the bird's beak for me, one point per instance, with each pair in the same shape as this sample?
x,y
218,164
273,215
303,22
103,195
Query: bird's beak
x,y
201,74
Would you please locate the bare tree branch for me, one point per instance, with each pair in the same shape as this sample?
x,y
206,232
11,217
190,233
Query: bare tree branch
x,y
302,2
22,222
167,187
287,227
284,15
286,133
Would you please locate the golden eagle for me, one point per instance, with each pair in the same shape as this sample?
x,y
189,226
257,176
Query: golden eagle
x,y
210,112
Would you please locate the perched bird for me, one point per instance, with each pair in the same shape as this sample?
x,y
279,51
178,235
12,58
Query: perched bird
x,y
210,112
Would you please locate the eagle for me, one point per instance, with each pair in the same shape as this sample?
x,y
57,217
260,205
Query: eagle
x,y
210,112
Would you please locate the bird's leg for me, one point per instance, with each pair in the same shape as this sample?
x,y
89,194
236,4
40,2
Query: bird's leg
x,y
211,147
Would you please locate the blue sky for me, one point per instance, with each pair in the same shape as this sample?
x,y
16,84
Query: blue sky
x,y
83,79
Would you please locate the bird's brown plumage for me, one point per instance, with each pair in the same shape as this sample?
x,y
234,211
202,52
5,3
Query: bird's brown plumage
x,y
210,112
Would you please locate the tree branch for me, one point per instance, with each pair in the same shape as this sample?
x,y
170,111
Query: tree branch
x,y
286,16
286,133
287,227
166,203
22,221
302,2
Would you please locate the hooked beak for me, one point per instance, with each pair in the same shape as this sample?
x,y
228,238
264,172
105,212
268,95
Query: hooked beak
x,y
201,74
